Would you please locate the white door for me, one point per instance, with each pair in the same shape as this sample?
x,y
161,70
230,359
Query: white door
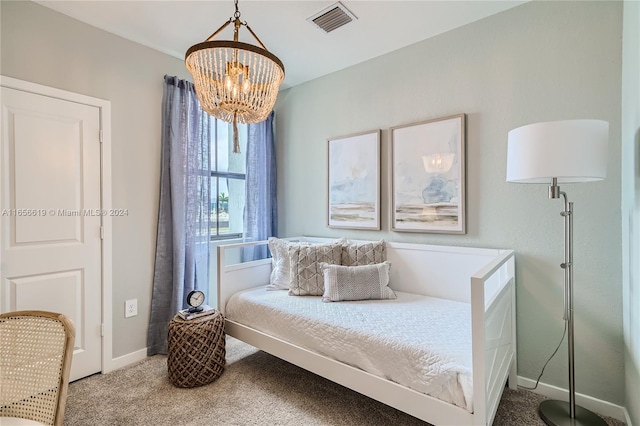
x,y
50,221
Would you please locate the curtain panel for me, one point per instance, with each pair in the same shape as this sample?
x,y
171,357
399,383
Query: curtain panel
x,y
182,246
260,215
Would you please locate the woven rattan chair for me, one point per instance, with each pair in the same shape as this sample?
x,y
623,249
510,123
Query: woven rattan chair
x,y
35,358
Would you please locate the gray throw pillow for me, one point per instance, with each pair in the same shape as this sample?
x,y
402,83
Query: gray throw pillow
x,y
365,282
306,276
280,278
354,254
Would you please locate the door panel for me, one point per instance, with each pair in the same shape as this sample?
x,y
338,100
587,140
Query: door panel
x,y
56,292
49,174
50,223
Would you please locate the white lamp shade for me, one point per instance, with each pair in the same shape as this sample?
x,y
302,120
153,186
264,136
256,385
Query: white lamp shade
x,y
570,150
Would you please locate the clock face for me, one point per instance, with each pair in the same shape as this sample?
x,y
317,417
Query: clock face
x,y
195,298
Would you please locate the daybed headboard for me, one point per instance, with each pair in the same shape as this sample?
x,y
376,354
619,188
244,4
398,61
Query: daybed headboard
x,y
439,271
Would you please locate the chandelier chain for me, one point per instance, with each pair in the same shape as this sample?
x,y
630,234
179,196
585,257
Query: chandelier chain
x,y
237,13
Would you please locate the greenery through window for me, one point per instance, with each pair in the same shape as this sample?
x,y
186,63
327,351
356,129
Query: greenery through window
x,y
228,172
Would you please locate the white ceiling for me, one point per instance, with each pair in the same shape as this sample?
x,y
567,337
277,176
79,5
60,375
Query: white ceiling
x,y
306,51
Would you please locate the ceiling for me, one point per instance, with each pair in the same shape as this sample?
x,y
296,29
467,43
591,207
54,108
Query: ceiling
x,y
306,51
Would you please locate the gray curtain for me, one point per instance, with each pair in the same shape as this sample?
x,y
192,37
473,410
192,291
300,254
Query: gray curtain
x,y
261,214
182,246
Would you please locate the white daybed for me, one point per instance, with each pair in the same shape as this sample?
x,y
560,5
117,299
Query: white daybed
x,y
483,278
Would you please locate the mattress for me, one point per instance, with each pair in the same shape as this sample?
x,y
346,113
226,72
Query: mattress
x,y
420,342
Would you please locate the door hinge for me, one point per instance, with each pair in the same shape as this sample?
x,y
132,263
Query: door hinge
x,y
101,136
101,330
102,232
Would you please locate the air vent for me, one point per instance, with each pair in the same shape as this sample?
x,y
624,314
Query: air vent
x,y
332,17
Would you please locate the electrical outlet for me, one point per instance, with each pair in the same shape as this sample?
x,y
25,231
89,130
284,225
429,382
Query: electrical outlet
x,y
131,308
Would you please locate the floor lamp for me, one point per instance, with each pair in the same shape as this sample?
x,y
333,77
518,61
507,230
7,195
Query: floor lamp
x,y
558,152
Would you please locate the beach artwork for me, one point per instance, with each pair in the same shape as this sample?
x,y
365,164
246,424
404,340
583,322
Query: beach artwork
x,y
354,181
428,176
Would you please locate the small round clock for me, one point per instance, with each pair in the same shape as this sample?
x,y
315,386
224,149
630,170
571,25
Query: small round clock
x,y
195,299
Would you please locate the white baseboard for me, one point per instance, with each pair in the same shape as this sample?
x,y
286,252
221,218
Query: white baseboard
x,y
627,417
128,359
599,406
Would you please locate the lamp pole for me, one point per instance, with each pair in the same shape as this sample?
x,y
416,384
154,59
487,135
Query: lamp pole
x,y
568,288
559,413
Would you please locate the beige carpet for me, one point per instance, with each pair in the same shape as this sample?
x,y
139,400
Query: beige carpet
x,y
255,389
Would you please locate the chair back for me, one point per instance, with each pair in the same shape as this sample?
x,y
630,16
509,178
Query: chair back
x,y
36,348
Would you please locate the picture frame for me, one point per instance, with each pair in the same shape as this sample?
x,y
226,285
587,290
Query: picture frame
x,y
428,182
353,181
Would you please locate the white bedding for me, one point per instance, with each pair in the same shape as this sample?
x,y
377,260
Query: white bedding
x,y
421,342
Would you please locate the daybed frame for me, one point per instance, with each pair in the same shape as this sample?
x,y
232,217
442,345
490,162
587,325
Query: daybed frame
x,y
483,277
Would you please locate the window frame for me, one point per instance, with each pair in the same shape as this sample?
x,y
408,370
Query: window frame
x,y
217,175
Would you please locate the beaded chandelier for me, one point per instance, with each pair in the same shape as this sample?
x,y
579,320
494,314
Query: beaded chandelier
x,y
235,82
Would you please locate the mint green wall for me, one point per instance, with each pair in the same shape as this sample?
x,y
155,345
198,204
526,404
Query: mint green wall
x,y
540,61
631,205
49,48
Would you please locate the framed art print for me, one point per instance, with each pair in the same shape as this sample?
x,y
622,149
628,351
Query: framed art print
x,y
353,184
428,176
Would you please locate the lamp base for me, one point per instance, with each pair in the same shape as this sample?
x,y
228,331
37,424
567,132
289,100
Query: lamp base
x,y
556,413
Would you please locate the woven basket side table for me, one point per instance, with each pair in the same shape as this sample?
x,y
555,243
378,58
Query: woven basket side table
x,y
196,350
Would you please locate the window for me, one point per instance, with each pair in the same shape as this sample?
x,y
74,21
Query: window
x,y
227,180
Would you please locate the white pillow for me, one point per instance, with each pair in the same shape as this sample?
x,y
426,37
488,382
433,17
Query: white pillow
x,y
280,268
364,282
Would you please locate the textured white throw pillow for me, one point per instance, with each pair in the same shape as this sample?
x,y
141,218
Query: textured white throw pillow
x,y
354,254
306,276
364,282
280,267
